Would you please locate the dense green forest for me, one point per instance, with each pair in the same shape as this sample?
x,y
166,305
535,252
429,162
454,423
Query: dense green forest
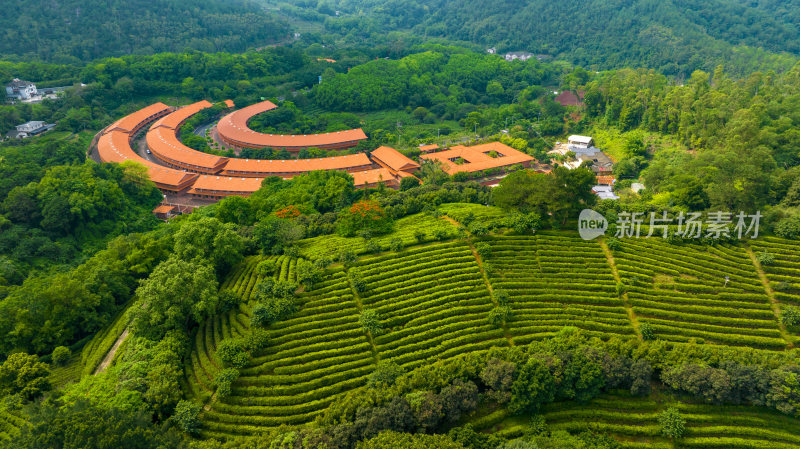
x,y
70,31
673,37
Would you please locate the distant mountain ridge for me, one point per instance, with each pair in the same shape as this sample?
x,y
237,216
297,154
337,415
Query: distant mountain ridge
x,y
72,30
673,36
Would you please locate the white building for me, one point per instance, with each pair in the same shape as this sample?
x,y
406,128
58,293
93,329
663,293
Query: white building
x,y
29,129
521,55
605,192
21,90
580,141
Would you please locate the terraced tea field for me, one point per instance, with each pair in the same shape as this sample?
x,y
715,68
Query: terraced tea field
x,y
634,422
556,280
710,293
434,300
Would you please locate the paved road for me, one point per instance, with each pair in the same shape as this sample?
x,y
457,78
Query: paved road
x,y
141,150
201,130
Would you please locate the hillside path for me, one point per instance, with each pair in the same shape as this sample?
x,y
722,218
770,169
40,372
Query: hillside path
x,y
770,294
111,353
628,308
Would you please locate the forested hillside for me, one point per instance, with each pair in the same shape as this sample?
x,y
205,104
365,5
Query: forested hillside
x,y
84,30
675,37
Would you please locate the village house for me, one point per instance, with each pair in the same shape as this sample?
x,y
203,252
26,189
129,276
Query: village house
x,y
580,141
30,129
521,55
605,192
19,89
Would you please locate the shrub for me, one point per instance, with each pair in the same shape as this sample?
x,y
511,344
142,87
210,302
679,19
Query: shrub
x,y
356,280
308,273
765,258
233,352
790,316
185,416
647,331
484,250
257,339
500,315
370,321
346,256
621,288
672,424
501,296
789,228
440,234
291,251
61,355
385,374
408,183
225,380
372,247
396,244
467,219
477,228
780,286
322,263
420,236
525,223
284,289
266,267
271,310
614,244
228,299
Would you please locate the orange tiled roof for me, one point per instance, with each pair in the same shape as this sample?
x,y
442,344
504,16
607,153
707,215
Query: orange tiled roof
x,y
229,103
166,147
268,167
606,179
163,209
115,147
477,159
226,185
233,129
133,121
175,119
393,159
374,176
428,148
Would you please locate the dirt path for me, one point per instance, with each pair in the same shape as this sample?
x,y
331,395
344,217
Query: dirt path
x,y
631,314
770,294
489,287
360,306
111,353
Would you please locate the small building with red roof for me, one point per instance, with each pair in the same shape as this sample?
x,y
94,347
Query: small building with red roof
x,y
479,157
